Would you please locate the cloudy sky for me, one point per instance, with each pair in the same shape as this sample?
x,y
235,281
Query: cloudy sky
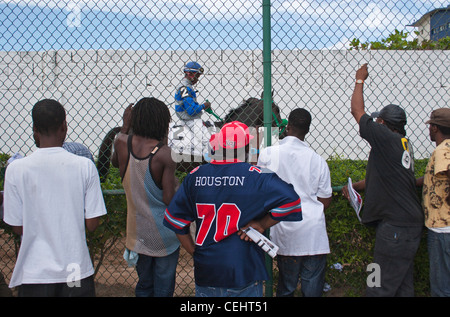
x,y
200,24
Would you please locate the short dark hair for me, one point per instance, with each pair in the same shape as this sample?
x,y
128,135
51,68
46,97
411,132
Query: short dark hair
x,y
150,118
300,119
222,154
48,115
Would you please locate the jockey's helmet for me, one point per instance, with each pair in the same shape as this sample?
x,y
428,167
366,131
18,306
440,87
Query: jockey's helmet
x,y
193,67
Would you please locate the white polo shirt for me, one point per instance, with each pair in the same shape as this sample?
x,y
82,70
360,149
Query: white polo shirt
x,y
51,193
296,163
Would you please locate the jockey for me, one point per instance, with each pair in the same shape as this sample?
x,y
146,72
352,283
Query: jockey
x,y
187,108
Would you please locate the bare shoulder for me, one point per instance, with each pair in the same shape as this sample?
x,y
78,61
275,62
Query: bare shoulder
x,y
121,140
166,151
165,154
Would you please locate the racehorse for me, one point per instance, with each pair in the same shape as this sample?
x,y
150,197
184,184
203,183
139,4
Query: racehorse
x,y
250,112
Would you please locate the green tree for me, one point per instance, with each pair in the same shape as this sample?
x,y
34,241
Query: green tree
x,y
399,41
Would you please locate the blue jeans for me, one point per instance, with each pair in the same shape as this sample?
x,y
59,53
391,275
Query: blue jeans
x,y
310,270
254,289
156,275
439,253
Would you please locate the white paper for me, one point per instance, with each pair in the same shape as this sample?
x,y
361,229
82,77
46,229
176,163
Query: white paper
x,y
355,198
262,241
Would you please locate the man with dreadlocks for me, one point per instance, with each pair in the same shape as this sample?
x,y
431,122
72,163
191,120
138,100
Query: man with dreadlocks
x,y
148,177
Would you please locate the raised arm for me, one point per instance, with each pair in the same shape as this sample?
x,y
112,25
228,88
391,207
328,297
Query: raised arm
x,y
357,102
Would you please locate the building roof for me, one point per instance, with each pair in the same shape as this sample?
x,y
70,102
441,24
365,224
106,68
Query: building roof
x,y
427,15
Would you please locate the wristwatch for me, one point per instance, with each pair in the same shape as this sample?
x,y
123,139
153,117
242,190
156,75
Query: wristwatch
x,y
360,81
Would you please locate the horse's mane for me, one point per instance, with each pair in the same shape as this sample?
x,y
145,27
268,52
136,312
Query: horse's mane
x,y
233,113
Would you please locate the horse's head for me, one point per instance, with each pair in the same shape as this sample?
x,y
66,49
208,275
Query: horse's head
x,y
248,112
251,112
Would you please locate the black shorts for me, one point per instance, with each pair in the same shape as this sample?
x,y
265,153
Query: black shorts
x,y
82,288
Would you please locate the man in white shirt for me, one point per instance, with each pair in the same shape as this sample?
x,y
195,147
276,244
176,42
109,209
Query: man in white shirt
x,y
50,198
303,245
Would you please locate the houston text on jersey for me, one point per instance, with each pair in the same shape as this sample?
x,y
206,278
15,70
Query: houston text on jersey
x,y
219,181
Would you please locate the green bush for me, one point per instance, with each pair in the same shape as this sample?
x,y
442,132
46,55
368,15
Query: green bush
x,y
351,243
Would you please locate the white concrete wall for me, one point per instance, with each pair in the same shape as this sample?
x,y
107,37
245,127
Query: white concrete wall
x,y
95,86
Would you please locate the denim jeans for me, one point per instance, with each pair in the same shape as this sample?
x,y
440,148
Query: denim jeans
x,y
394,252
156,275
439,253
254,289
310,270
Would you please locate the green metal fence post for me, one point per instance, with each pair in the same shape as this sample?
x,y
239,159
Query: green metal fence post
x,y
267,72
267,96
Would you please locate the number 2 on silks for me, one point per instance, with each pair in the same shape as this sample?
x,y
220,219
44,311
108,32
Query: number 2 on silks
x,y
184,92
227,219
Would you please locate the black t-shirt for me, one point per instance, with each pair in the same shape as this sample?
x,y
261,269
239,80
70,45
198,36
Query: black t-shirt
x,y
391,194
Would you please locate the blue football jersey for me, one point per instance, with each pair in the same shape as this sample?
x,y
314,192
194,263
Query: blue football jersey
x,y
222,198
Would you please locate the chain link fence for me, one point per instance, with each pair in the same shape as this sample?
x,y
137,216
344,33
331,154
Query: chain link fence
x,y
97,57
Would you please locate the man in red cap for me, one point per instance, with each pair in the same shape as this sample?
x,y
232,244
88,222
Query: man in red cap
x,y
223,198
231,142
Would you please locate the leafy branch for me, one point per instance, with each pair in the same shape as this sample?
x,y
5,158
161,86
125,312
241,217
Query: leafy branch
x,y
398,41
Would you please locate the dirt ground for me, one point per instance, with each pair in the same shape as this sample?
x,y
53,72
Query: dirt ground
x,y
115,278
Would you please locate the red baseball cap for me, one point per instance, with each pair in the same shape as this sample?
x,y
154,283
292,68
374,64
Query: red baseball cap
x,y
233,135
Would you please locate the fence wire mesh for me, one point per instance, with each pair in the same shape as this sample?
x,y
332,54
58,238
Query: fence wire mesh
x,y
97,57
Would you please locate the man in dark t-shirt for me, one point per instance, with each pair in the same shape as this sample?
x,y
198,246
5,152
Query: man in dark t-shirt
x,y
391,204
390,183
